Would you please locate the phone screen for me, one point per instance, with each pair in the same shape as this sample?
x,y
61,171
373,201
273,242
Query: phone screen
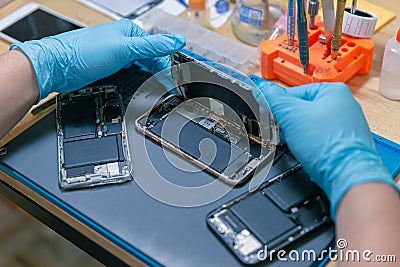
x,y
37,25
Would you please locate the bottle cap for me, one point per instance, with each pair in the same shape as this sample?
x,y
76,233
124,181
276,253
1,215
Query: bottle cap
x,y
197,5
361,24
398,36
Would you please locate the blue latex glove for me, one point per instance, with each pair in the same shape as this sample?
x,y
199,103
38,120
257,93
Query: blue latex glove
x,y
326,131
71,60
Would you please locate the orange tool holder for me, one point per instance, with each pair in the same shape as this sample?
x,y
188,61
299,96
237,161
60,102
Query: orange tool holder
x,y
281,61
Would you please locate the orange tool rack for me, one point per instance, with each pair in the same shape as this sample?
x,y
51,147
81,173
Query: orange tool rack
x,y
281,61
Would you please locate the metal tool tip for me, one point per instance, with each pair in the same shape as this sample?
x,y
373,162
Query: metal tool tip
x,y
290,40
305,69
334,54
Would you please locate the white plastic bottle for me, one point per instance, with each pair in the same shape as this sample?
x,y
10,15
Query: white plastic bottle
x,y
389,84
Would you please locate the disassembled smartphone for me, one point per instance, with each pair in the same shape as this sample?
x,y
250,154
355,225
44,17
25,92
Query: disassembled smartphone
x,y
91,137
283,210
223,111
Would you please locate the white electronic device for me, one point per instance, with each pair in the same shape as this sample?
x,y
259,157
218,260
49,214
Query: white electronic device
x,y
33,21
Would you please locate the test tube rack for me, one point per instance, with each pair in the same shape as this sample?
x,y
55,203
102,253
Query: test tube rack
x,y
281,61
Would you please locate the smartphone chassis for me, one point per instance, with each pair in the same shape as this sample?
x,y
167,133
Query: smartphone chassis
x,y
91,137
282,211
202,121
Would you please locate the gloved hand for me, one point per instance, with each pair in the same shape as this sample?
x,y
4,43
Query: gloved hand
x,y
326,131
71,60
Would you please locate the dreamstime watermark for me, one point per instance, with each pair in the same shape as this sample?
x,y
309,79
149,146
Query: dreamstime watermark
x,y
340,253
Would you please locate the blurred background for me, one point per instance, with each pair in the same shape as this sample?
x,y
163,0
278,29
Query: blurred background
x,y
26,242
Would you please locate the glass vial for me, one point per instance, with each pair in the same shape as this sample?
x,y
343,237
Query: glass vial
x,y
197,12
253,19
389,84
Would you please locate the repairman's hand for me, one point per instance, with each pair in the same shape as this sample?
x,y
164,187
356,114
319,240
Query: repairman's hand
x,y
326,130
71,60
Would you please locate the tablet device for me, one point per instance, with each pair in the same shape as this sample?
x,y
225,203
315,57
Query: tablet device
x,y
33,21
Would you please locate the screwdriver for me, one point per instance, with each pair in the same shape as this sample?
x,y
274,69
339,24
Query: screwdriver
x,y
328,12
291,21
337,31
313,6
354,7
302,33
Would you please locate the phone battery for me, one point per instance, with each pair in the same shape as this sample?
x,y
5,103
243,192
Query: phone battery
x,y
292,190
197,141
264,219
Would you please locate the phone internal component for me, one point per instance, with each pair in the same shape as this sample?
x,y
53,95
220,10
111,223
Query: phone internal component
x,y
82,123
280,212
263,218
291,191
190,138
221,146
91,151
90,137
